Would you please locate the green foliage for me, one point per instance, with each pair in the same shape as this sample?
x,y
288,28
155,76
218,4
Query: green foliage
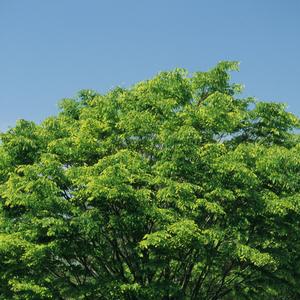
x,y
175,188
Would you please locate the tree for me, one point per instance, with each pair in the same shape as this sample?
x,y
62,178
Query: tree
x,y
176,188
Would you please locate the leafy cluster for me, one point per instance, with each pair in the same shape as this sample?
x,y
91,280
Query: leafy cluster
x,y
175,188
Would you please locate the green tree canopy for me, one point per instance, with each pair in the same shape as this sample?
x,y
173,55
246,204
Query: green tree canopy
x,y
175,188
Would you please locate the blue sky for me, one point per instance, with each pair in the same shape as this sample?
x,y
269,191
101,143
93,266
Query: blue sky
x,y
50,50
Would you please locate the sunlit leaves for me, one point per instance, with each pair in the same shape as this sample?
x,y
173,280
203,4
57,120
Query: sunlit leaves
x,y
174,188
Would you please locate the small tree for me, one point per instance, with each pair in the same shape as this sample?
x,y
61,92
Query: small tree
x,y
173,189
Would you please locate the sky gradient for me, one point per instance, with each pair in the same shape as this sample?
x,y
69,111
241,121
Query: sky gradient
x,y
50,50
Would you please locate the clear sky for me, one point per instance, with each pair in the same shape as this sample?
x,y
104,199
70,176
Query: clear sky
x,y
51,49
